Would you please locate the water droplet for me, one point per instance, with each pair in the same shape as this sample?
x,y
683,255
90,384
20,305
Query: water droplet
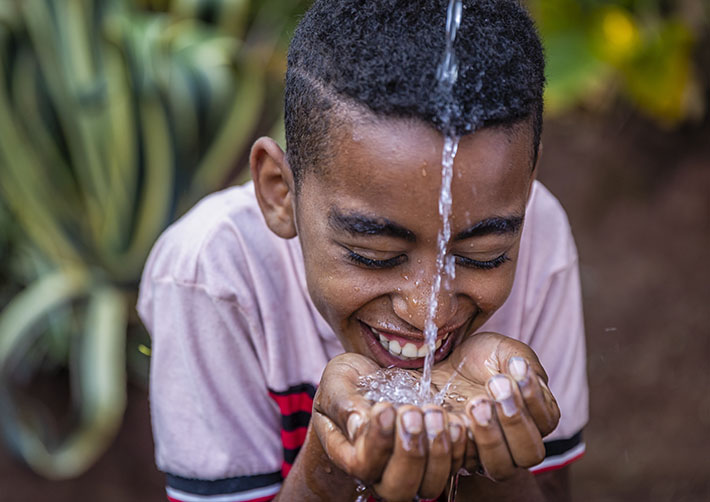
x,y
399,385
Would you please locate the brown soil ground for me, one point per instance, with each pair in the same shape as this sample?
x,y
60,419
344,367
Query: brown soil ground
x,y
639,203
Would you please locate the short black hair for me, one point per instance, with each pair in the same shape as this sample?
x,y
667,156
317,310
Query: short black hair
x,y
383,55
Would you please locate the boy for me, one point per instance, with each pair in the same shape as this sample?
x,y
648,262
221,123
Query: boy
x,y
248,321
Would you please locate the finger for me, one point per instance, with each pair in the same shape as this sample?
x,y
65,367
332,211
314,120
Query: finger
x,y
457,433
471,462
493,454
365,456
538,400
338,448
340,400
438,462
521,433
375,444
403,474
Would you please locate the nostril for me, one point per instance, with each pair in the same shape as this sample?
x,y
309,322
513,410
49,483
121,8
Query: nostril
x,y
411,308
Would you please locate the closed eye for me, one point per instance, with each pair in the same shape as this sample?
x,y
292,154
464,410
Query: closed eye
x,y
370,263
483,265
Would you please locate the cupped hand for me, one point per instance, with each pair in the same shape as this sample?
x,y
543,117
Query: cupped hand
x,y
499,388
399,452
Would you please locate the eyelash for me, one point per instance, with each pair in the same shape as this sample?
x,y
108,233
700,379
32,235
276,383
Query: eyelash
x,y
483,265
370,263
393,262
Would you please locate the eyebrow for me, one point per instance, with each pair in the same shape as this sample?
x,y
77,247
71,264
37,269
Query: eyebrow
x,y
359,224
492,226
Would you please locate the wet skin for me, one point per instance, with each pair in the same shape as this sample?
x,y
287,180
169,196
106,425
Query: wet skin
x,y
368,226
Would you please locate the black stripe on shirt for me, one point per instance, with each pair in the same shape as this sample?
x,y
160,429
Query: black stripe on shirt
x,y
290,455
295,420
560,446
297,389
220,486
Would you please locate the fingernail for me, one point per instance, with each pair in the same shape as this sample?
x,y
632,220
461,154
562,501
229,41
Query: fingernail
x,y
412,422
482,413
434,421
455,432
354,423
500,387
518,368
386,419
502,390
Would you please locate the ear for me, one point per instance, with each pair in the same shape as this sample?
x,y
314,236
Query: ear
x,y
274,187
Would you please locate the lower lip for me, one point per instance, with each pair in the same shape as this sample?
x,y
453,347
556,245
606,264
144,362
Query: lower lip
x,y
385,359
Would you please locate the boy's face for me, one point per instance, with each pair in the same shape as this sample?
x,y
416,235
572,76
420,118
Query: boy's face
x,y
368,227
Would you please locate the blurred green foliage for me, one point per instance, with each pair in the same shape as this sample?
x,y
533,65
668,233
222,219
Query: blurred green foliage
x,y
643,50
115,117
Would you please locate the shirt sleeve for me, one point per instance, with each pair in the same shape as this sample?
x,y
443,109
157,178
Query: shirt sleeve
x,y
557,336
216,431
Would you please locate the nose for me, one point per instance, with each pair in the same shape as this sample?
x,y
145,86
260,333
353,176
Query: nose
x,y
412,303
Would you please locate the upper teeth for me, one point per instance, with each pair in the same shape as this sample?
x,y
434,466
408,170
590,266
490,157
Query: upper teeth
x,y
408,350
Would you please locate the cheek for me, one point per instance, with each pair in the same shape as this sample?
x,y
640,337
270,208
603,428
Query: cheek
x,y
493,289
498,284
336,293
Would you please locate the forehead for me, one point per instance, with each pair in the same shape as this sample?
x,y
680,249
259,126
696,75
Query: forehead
x,y
393,167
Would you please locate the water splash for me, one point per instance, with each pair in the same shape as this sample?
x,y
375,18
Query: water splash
x,y
447,74
400,386
444,267
448,70
397,386
379,386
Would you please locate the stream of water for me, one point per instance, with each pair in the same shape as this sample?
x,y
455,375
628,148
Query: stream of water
x,y
395,385
400,387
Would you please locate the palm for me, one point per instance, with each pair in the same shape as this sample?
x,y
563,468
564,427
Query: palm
x,y
471,365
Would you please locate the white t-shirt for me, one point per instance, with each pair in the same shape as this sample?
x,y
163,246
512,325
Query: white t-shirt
x,y
238,347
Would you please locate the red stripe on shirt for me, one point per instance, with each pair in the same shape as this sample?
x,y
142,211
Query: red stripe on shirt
x,y
285,469
559,466
266,498
293,403
294,439
373,499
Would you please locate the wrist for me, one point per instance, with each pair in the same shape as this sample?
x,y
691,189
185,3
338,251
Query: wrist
x,y
314,477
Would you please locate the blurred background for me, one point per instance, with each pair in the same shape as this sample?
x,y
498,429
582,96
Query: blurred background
x,y
117,115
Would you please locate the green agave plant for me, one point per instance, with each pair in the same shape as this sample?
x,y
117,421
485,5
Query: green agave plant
x,y
115,117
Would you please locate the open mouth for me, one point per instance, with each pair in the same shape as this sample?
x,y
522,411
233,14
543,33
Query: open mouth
x,y
396,350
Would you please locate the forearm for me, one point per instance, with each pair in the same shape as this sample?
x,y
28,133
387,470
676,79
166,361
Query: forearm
x,y
313,477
